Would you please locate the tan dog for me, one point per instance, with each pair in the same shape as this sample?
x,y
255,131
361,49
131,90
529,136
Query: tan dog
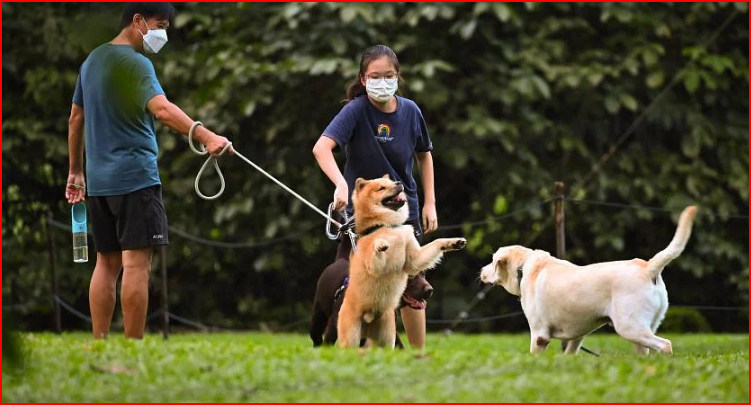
x,y
565,301
387,253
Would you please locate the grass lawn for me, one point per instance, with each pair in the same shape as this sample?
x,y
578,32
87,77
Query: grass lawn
x,y
265,367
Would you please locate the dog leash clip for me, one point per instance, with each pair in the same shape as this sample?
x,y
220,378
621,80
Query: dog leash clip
x,y
346,227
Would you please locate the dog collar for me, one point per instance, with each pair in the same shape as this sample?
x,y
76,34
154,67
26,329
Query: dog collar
x,y
375,228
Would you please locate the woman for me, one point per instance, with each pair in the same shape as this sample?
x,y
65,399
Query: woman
x,y
382,133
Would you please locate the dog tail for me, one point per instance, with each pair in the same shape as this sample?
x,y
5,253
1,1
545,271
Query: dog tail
x,y
675,248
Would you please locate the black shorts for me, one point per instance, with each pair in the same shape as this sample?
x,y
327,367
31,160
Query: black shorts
x,y
132,221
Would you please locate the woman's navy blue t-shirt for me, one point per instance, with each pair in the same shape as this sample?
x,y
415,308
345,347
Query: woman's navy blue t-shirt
x,y
377,143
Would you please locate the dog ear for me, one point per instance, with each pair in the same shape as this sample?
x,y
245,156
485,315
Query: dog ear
x,y
360,183
386,176
501,267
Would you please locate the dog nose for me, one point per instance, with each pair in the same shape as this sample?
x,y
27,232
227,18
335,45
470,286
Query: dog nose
x,y
428,292
400,185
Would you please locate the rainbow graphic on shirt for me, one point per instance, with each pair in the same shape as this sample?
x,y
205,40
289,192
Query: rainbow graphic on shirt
x,y
383,133
384,130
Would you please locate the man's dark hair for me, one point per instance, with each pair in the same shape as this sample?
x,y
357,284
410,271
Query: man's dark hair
x,y
162,11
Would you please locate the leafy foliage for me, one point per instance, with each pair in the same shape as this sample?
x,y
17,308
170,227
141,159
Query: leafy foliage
x,y
516,96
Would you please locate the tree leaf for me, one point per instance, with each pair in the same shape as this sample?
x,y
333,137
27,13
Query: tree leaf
x,y
595,78
629,101
468,29
348,13
542,86
612,104
649,57
691,80
500,206
655,79
502,11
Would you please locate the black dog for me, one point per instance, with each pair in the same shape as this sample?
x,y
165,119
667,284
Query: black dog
x,y
330,293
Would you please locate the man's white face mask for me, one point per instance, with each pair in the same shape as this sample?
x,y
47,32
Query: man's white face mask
x,y
153,40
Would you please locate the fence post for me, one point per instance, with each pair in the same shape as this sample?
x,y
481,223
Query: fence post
x,y
165,303
53,269
560,232
560,222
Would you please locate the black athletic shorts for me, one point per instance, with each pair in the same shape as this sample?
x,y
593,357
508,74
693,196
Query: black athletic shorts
x,y
132,221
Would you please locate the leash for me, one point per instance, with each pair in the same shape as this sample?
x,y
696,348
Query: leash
x,y
212,160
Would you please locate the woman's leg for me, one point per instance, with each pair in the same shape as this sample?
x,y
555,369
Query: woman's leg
x,y
414,325
414,319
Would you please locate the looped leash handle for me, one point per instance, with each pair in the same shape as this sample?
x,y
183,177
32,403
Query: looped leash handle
x,y
201,151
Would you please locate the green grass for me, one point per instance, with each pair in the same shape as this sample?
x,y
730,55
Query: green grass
x,y
264,367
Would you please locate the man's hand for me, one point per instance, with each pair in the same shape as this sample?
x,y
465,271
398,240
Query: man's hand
x,y
216,144
75,190
172,116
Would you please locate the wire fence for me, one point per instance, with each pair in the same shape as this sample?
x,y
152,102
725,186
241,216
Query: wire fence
x,y
210,242
703,212
453,323
523,209
462,316
581,184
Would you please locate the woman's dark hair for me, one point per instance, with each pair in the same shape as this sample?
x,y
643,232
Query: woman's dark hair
x,y
163,11
374,52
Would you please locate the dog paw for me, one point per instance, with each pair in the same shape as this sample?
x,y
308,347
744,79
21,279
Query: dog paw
x,y
667,348
456,244
381,245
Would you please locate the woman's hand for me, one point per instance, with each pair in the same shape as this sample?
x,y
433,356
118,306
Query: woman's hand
x,y
341,196
429,218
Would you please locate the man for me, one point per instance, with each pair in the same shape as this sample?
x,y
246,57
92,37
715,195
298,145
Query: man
x,y
116,99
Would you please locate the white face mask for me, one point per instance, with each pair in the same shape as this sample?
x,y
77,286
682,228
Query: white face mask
x,y
153,40
382,89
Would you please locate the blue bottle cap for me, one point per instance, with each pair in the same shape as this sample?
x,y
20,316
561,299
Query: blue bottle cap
x,y
78,217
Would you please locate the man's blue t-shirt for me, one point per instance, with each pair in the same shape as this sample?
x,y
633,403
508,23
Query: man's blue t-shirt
x,y
377,143
114,85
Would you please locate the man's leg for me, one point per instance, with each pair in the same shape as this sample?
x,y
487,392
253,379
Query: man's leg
x,y
134,296
102,291
414,325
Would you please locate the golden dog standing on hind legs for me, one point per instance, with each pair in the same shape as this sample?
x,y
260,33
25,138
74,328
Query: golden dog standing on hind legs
x,y
387,254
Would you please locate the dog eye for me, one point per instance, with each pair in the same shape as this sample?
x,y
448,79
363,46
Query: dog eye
x,y
382,188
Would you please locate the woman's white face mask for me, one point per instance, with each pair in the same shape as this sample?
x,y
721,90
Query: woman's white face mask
x,y
153,40
381,89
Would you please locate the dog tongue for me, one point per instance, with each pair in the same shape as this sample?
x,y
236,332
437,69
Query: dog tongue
x,y
414,303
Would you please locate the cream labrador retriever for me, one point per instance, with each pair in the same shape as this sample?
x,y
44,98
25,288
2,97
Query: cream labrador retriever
x,y
564,301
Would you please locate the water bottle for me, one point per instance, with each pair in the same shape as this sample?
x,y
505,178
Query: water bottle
x,y
80,234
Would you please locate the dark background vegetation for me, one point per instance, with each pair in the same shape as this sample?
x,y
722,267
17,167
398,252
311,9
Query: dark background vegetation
x,y
516,96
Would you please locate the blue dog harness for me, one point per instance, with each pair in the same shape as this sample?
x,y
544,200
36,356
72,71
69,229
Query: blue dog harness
x,y
340,291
